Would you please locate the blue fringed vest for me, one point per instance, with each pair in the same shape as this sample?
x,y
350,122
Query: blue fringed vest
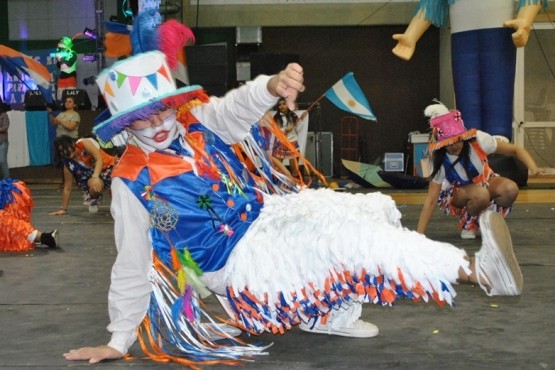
x,y
206,212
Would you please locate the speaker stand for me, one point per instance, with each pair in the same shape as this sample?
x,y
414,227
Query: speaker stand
x,y
314,113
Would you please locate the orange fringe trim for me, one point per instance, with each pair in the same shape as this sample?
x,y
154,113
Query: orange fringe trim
x,y
153,350
337,288
152,346
21,207
14,233
432,146
15,221
272,126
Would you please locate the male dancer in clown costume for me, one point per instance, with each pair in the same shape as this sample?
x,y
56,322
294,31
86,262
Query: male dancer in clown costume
x,y
483,54
190,220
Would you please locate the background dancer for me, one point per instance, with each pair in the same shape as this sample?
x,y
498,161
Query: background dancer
x,y
17,234
462,182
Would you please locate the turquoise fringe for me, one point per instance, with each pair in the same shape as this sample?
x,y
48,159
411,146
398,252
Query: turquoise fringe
x,y
436,11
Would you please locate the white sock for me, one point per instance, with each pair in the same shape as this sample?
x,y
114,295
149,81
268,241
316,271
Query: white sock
x,y
32,236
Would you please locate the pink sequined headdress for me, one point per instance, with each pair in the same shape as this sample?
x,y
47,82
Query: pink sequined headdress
x,y
447,127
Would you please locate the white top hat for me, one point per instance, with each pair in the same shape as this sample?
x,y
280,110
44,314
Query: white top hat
x,y
138,87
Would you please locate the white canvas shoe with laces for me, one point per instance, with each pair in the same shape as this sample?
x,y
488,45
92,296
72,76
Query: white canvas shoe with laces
x,y
358,329
343,322
496,263
219,331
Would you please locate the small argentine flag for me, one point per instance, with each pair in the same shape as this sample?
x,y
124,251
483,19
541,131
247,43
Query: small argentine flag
x,y
347,95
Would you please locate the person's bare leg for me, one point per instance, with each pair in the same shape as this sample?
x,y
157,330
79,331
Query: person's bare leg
x,y
504,191
470,278
474,197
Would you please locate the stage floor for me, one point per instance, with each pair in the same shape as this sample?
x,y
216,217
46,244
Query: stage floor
x,y
55,300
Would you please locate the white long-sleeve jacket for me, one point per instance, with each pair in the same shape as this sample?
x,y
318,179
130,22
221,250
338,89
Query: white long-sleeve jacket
x,y
230,118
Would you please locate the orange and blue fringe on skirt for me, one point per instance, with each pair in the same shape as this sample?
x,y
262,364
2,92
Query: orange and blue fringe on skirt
x,y
263,314
254,149
15,198
172,330
15,215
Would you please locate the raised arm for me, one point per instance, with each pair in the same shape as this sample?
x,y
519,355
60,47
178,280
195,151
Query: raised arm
x,y
67,124
232,116
51,117
523,23
406,42
287,84
519,153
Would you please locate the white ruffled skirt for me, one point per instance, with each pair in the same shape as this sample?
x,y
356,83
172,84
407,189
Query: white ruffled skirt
x,y
318,250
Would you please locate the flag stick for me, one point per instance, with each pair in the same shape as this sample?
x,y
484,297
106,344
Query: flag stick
x,y
314,103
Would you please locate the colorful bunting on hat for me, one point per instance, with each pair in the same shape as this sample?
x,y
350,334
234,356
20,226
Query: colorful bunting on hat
x,y
107,89
135,81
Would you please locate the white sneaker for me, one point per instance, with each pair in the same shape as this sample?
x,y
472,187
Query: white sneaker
x,y
495,261
226,306
93,209
221,331
359,329
468,234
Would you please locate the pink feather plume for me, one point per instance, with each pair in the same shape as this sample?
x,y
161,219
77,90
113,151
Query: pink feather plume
x,y
173,36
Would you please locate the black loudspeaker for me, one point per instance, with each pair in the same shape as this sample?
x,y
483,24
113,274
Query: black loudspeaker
x,y
509,167
81,98
270,63
208,66
34,100
4,107
324,164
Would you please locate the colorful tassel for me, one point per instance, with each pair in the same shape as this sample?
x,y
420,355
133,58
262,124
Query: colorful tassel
x,y
172,329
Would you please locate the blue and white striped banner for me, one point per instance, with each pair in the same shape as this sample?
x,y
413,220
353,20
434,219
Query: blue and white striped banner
x,y
348,96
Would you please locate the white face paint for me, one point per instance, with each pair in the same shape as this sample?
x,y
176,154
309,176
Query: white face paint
x,y
157,132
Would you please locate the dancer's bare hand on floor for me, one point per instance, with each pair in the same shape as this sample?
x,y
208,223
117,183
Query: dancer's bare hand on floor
x,y
59,212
